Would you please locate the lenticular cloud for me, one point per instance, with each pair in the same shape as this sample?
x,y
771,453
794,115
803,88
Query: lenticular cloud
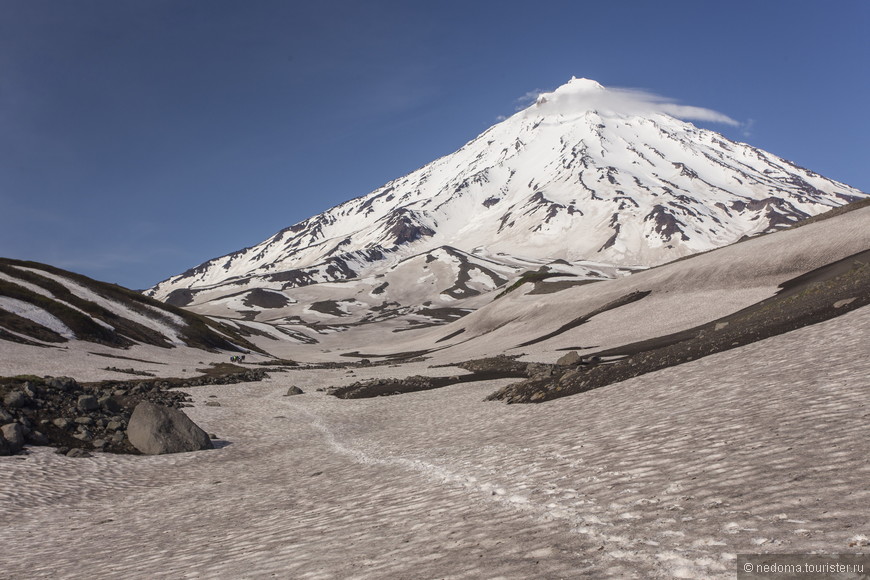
x,y
585,95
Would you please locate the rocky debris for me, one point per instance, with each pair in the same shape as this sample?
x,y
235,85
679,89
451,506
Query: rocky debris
x,y
247,376
294,390
810,298
386,387
61,412
130,371
156,430
484,370
502,364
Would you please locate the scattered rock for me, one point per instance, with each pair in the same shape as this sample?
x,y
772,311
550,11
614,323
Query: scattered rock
x,y
294,390
61,422
84,434
37,438
212,404
110,404
88,403
78,452
155,430
30,390
64,384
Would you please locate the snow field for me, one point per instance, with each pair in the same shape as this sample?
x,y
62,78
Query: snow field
x,y
668,475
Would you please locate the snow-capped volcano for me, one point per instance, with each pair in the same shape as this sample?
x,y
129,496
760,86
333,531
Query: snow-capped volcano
x,y
584,174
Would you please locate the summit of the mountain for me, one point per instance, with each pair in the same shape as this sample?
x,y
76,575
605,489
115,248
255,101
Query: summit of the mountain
x,y
584,175
575,86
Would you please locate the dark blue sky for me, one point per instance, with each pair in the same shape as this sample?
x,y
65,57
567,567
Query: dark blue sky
x,y
141,138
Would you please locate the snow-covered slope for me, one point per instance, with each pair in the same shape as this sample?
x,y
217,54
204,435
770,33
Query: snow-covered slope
x,y
575,177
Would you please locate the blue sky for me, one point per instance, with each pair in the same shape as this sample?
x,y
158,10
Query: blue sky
x,y
141,138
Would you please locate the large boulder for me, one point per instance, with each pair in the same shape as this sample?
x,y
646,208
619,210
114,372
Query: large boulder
x,y
155,430
13,435
16,400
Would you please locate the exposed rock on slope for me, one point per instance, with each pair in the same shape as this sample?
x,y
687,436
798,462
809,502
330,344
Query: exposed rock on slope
x,y
662,317
42,305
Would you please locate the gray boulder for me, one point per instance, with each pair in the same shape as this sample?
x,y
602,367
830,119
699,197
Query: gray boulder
x,y
5,417
294,390
61,422
64,384
570,359
13,433
88,403
155,430
16,400
110,404
77,452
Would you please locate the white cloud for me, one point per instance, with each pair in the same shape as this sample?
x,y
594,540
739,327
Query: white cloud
x,y
528,98
583,95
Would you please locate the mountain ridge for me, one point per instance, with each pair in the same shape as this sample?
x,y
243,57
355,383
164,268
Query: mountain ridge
x,y
641,188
